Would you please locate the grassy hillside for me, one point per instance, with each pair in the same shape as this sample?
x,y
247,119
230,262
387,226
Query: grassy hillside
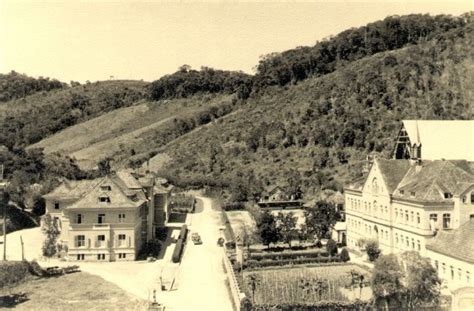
x,y
319,131
132,131
27,120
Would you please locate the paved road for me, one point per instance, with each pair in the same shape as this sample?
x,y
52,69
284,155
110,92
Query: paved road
x,y
201,281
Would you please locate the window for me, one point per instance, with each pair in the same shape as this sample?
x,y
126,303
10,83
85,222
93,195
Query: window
x,y
472,197
406,215
418,219
418,244
100,256
412,217
448,195
434,218
436,265
468,277
79,219
386,235
104,199
105,188
413,243
80,240
122,255
471,216
446,221
412,194
375,187
464,199
80,257
452,272
408,242
121,217
101,237
121,239
402,191
56,205
396,213
460,274
396,238
101,218
444,268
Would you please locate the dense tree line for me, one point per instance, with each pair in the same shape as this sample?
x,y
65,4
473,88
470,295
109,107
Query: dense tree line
x,y
186,82
392,33
28,120
324,127
14,85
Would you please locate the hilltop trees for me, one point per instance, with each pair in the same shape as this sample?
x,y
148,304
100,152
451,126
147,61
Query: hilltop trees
x,y
14,85
268,229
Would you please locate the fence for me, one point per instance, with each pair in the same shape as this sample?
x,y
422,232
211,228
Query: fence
x,y
236,293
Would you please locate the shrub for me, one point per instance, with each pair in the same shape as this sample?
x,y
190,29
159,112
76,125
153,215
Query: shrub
x,y
345,255
331,247
372,249
320,305
13,272
151,248
178,250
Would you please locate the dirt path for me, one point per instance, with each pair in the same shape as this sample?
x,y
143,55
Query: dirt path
x,y
201,281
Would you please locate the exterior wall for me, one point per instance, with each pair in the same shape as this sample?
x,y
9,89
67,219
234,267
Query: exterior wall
x,y
464,206
59,214
456,273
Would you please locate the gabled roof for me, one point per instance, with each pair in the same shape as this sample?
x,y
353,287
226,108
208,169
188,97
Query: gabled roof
x,y
430,180
71,189
392,171
442,139
457,243
119,196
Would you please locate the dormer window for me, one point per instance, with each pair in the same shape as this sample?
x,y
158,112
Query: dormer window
x,y
448,195
56,205
105,199
402,191
105,188
412,194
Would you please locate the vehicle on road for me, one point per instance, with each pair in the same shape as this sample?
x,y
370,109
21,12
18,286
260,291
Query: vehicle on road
x,y
196,238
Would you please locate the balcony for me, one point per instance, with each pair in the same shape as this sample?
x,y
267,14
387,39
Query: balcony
x,y
101,226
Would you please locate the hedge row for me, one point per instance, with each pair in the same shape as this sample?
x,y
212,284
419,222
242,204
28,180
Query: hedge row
x,y
233,206
13,272
356,305
285,262
178,249
290,255
183,233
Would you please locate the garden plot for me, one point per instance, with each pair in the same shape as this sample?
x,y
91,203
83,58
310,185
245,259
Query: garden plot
x,y
241,222
296,212
297,285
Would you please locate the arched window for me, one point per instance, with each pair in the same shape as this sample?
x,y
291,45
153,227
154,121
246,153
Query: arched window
x,y
375,187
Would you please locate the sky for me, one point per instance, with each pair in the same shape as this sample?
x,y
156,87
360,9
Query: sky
x,y
100,40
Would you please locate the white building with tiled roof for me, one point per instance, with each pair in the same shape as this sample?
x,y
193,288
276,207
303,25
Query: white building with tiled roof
x,y
106,219
412,203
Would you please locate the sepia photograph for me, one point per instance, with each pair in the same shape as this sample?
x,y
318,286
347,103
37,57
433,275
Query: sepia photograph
x,y
231,155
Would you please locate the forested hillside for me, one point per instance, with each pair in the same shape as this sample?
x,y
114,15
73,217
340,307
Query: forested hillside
x,y
14,85
320,131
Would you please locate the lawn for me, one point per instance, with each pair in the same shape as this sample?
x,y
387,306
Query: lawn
x,y
77,291
241,222
285,285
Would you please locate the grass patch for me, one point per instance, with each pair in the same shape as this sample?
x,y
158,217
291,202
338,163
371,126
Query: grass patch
x,y
77,291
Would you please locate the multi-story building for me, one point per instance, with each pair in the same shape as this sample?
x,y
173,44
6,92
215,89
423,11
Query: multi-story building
x,y
416,202
106,219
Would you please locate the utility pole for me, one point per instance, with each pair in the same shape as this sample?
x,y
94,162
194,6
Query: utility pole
x,y
3,185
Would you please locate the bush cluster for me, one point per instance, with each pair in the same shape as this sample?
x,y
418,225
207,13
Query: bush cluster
x,y
182,203
13,272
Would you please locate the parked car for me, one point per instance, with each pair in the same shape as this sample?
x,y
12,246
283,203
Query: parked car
x,y
196,238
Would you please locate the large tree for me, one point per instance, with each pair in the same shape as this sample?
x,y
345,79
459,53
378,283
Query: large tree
x,y
320,219
421,280
267,228
287,227
386,280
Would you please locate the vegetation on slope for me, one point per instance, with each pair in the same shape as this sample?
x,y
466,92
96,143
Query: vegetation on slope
x,y
320,131
28,120
14,85
392,33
